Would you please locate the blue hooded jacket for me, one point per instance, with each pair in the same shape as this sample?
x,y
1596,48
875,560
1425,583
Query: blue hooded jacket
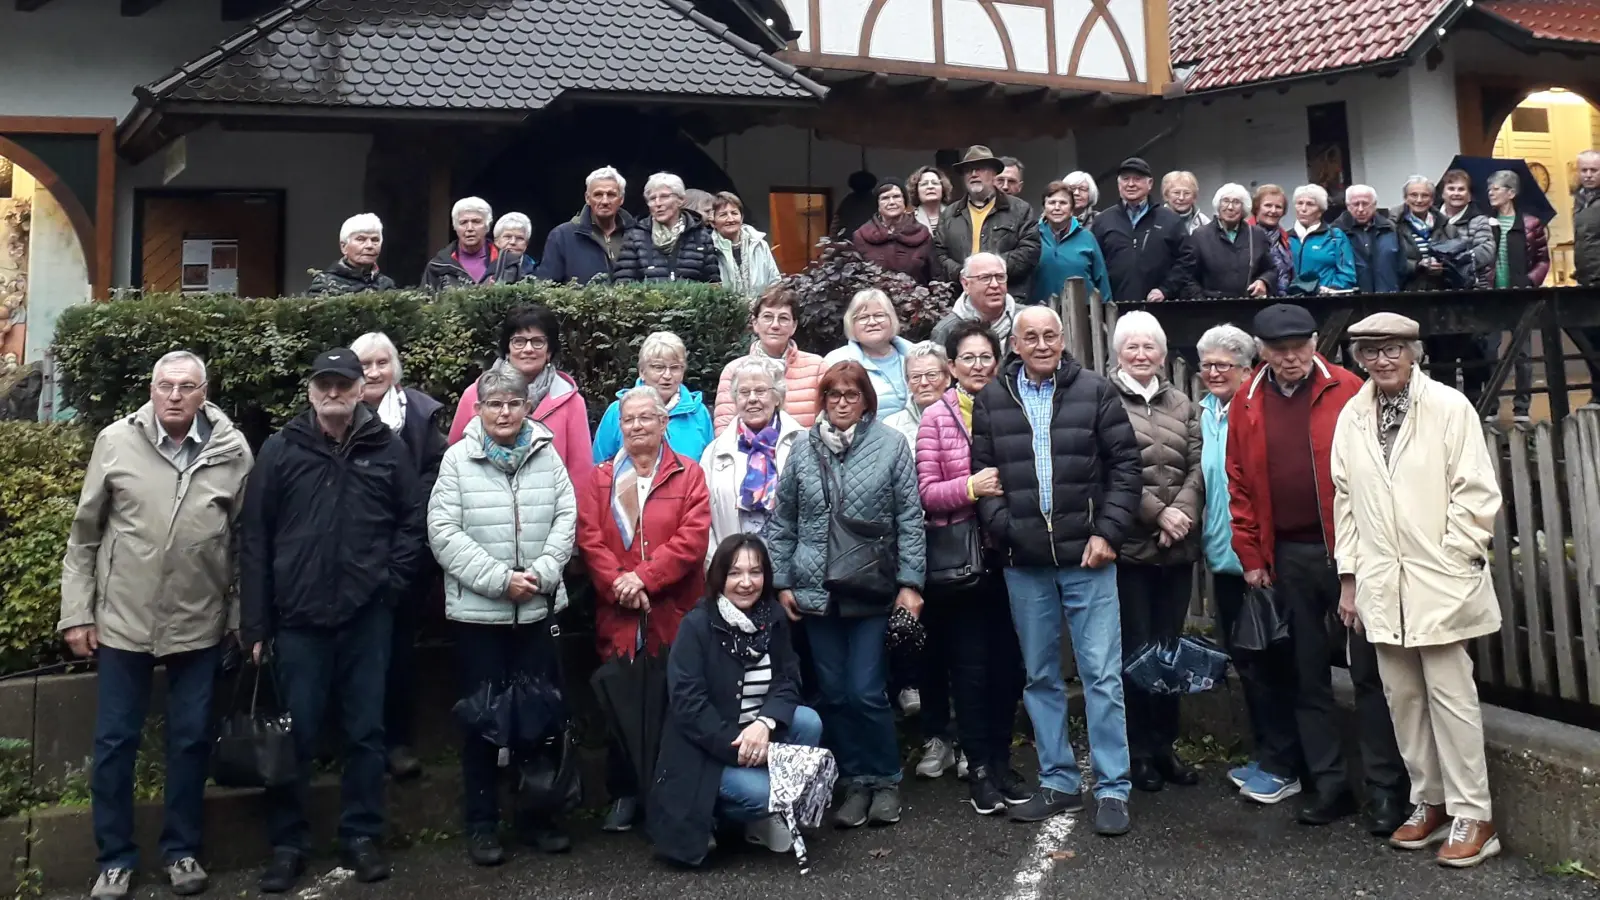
x,y
1325,254
1075,256
688,427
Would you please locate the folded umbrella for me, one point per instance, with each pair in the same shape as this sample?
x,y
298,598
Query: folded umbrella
x,y
1188,665
632,693
802,780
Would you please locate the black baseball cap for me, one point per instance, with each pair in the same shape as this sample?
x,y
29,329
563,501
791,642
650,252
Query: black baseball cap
x,y
1282,321
1135,165
341,361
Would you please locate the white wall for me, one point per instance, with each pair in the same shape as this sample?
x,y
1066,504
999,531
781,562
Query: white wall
x,y
323,175
58,274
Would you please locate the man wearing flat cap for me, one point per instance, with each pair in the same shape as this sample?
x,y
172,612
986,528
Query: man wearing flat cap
x,y
1414,498
332,532
1282,500
1141,240
987,221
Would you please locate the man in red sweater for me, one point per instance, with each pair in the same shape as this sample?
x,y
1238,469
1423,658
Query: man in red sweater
x,y
1281,498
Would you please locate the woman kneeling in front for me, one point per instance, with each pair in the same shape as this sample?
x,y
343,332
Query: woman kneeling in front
x,y
733,685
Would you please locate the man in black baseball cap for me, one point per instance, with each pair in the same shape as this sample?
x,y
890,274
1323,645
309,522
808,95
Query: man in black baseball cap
x,y
331,531
1280,481
1141,241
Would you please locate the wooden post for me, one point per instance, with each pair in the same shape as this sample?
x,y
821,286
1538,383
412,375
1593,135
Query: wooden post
x,y
1556,560
1528,545
1075,316
1511,654
1583,500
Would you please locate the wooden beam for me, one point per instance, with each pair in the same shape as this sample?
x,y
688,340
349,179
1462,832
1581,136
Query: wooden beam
x,y
135,8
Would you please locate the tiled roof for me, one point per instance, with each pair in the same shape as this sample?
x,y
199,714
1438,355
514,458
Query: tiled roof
x,y
1551,20
1237,42
480,55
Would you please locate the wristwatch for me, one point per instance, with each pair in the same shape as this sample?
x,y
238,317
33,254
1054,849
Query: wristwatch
x,y
767,721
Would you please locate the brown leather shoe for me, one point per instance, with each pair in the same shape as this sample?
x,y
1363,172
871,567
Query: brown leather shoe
x,y
1427,826
1471,842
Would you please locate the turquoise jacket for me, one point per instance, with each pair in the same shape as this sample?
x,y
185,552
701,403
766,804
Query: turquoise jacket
x,y
1218,522
1076,256
1325,253
688,427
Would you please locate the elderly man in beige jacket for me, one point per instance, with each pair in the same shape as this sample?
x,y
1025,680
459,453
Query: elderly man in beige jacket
x,y
1415,497
145,583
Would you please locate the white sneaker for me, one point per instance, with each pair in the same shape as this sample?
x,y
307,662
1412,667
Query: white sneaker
x,y
937,757
910,701
113,884
771,833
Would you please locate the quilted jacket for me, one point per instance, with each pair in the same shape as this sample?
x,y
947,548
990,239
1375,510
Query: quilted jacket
x,y
944,463
802,373
1168,428
1472,224
691,258
878,477
482,525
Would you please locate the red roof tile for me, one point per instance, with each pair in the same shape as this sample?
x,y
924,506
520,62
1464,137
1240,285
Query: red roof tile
x,y
1551,20
1238,42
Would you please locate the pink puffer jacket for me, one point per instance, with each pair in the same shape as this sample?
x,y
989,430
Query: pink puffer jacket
x,y
944,462
803,371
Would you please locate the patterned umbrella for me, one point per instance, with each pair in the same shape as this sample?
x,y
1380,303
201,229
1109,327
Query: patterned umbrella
x,y
802,783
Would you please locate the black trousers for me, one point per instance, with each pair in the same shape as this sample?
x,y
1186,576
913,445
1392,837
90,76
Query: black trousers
x,y
493,654
972,649
1268,679
1310,587
400,689
1155,603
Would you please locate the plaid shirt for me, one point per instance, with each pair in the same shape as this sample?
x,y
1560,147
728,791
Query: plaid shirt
x,y
1037,401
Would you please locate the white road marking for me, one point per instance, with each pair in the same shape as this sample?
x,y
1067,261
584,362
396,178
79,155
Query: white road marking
x,y
1052,835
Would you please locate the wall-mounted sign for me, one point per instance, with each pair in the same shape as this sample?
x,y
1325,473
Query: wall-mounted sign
x,y
210,266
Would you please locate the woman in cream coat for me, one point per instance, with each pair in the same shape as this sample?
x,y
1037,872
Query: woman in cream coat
x,y
1415,498
742,495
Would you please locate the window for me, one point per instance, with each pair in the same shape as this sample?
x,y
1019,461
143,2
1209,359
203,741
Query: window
x,y
799,218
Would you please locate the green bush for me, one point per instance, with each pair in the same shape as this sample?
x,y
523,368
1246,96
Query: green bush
x,y
257,351
41,472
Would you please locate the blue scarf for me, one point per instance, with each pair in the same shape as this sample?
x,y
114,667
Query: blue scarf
x,y
509,459
759,490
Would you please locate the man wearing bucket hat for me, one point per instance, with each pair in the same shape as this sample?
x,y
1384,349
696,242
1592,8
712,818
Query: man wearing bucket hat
x,y
987,221
1141,240
1281,489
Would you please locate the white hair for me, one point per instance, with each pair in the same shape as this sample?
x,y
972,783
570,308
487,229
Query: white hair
x,y
500,378
1507,179
642,392
178,356
664,180
1416,179
661,345
924,350
1316,192
748,366
377,340
1589,154
966,267
1025,310
361,223
1232,190
1356,190
471,204
861,299
1138,323
513,220
1229,339
605,173
1074,179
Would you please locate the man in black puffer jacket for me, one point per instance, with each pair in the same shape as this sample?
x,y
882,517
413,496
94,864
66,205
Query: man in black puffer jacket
x,y
331,535
1047,422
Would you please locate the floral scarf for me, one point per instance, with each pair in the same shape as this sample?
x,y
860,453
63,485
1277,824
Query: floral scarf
x,y
749,634
509,459
1391,415
664,236
759,489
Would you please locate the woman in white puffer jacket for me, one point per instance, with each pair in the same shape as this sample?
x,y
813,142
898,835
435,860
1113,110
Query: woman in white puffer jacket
x,y
502,521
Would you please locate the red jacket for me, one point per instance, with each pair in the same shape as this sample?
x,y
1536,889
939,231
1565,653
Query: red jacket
x,y
1250,500
668,553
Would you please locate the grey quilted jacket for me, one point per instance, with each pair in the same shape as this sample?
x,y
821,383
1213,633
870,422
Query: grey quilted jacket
x,y
879,476
482,524
1168,428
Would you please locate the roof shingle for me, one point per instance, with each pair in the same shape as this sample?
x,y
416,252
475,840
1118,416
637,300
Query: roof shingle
x,y
1552,20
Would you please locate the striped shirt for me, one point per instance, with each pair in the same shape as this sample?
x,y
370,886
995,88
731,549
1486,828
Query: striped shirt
x,y
1037,399
757,681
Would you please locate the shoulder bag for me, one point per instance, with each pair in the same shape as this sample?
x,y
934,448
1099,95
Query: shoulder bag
x,y
861,554
955,551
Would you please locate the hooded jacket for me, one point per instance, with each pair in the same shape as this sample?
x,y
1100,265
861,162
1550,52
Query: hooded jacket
x,y
1215,267
1010,230
890,400
1143,257
563,411
907,248
444,272
573,252
1380,266
964,311
688,427
328,529
1095,468
1076,255
692,257
1324,254
1168,429
484,524
342,278
150,557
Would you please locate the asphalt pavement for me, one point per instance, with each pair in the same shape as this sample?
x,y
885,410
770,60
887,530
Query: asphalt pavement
x,y
1187,844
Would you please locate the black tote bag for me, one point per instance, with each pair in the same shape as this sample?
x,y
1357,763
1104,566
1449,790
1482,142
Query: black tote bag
x,y
255,749
861,553
1260,623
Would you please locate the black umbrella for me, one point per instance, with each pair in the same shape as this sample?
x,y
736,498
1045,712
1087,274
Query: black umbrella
x,y
1530,197
632,692
518,713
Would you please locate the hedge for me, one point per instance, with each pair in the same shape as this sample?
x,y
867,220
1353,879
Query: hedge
x,y
41,472
257,351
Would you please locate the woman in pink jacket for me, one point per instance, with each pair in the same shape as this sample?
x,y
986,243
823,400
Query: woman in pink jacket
x,y
530,338
774,317
969,629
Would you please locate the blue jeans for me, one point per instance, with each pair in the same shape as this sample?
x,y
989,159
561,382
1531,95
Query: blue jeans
x,y
852,670
352,659
745,789
1087,599
123,700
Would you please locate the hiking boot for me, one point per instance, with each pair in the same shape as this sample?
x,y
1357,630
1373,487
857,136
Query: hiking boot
x,y
770,832
885,807
937,757
363,856
1427,826
852,812
280,875
1111,817
985,796
186,876
403,764
1044,804
113,884
621,815
1471,842
484,849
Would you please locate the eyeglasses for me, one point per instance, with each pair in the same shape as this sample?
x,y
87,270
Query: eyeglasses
x,y
646,419
1046,339
768,320
976,359
500,406
871,318
926,378
659,369
991,278
755,393
1218,367
529,343
165,388
846,396
1369,353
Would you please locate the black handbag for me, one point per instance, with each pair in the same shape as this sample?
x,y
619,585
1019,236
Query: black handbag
x,y
1260,623
255,749
861,554
955,555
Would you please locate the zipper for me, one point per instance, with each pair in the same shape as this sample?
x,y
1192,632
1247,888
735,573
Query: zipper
x,y
516,523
